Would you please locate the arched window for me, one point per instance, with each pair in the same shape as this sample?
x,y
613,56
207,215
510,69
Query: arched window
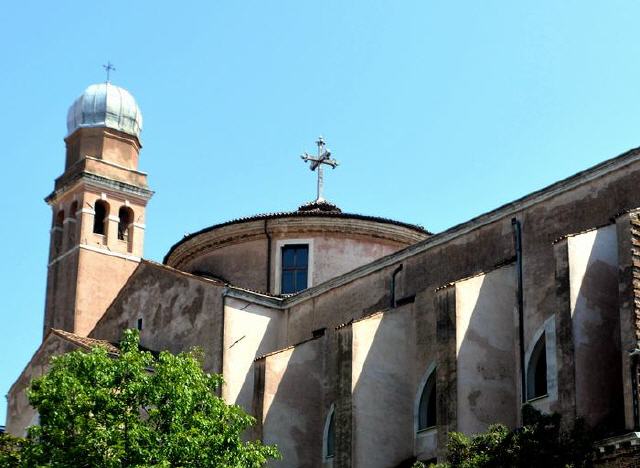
x,y
73,210
537,370
59,219
329,446
427,405
58,224
125,218
101,210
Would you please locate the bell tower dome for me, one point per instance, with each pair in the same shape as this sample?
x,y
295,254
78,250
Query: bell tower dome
x,y
98,209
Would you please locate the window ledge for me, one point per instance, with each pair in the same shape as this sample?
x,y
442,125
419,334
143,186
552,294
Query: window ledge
x,y
427,430
538,398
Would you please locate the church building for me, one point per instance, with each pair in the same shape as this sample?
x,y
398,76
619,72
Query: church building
x,y
355,340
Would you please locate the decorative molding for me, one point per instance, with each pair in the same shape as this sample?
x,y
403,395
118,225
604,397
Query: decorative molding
x,y
102,251
299,226
119,166
100,183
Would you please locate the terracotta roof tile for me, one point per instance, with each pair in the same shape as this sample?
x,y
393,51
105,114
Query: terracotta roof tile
x,y
86,342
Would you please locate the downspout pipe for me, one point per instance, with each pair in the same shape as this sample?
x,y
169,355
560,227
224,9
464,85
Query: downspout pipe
x,y
266,233
398,269
517,241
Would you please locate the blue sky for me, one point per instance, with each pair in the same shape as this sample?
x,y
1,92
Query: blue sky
x,y
437,111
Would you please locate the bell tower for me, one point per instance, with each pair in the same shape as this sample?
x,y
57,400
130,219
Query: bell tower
x,y
98,209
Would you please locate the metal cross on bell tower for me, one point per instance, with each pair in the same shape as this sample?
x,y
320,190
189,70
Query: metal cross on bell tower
x,y
109,68
324,157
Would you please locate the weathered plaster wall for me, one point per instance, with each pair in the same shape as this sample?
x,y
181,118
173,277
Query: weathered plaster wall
x,y
100,278
331,255
593,277
250,330
294,409
437,262
61,293
243,264
383,385
178,312
20,414
486,348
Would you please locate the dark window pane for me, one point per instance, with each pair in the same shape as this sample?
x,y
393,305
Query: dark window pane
x,y
288,257
100,210
302,256
295,259
541,375
288,284
537,370
301,280
331,437
431,409
427,406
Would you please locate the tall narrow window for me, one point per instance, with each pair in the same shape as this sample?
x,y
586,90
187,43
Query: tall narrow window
x,y
427,406
58,226
295,265
330,434
537,370
101,210
125,218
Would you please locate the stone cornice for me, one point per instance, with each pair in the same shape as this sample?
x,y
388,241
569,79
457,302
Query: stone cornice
x,y
291,226
99,250
101,183
112,164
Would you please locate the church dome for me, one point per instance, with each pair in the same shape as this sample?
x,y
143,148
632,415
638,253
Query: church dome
x,y
105,105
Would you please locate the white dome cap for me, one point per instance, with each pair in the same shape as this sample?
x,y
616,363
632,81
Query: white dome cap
x,y
105,105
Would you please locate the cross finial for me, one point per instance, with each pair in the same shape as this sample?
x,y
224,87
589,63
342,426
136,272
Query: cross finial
x,y
109,68
324,157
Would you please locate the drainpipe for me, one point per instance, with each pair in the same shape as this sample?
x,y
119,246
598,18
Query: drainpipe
x,y
393,286
266,233
517,240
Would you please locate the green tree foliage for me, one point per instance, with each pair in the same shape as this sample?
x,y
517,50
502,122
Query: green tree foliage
x,y
11,450
542,442
134,410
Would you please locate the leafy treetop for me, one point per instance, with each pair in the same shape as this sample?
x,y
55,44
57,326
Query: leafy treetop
x,y
134,411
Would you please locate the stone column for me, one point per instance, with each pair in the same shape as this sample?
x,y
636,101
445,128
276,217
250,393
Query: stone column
x,y
343,341
111,230
564,332
446,375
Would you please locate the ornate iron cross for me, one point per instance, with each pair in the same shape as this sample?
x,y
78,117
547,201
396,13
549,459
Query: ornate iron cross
x,y
324,157
109,68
